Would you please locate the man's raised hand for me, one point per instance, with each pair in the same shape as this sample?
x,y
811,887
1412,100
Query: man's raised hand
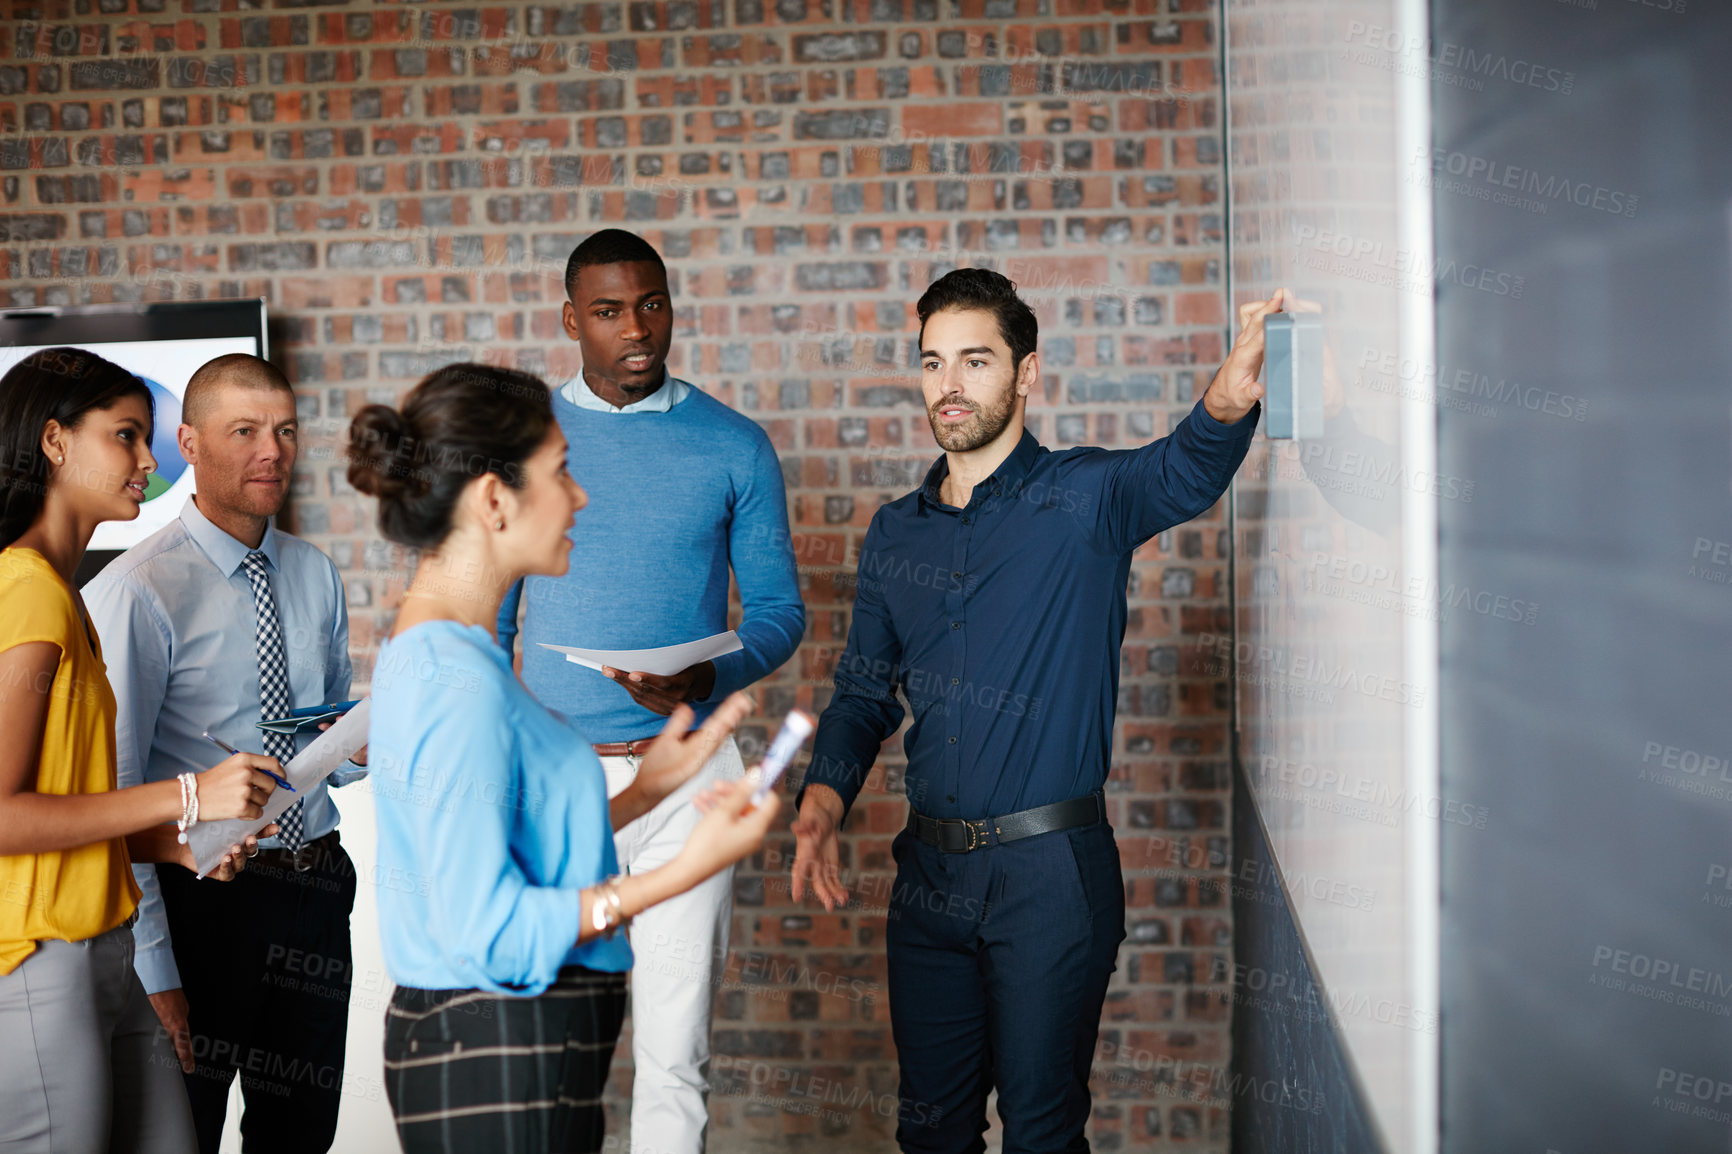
x,y
1235,389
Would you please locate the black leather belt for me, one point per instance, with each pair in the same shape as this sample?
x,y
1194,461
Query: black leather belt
x,y
959,835
310,854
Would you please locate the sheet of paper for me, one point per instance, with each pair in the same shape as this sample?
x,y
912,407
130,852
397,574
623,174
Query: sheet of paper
x,y
209,840
662,662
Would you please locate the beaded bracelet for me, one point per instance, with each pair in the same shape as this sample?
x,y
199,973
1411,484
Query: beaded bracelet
x,y
604,912
188,805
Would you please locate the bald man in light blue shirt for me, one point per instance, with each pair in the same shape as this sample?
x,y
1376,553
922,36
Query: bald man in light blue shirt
x,y
248,978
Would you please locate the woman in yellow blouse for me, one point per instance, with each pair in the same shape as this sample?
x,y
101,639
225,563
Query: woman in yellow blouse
x,y
81,1052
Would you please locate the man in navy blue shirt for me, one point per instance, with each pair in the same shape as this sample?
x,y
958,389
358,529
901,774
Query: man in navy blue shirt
x,y
993,598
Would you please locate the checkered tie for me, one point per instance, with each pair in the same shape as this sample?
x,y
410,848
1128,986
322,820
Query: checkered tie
x,y
273,686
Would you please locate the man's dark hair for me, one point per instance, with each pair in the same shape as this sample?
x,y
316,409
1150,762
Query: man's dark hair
x,y
987,291
609,246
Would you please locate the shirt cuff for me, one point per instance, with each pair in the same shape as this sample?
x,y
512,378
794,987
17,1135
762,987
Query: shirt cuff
x,y
156,969
848,792
730,672
1220,429
346,774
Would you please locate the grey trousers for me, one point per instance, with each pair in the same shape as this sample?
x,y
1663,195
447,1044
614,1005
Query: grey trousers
x,y
84,1066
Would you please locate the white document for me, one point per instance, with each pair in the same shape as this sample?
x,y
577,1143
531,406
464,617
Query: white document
x,y
663,662
209,840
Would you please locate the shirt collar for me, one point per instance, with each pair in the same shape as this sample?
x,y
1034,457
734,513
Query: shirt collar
x,y
672,392
225,552
1007,478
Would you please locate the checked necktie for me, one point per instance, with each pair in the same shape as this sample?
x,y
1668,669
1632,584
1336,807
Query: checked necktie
x,y
273,687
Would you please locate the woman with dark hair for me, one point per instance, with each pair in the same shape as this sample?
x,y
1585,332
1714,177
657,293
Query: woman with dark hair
x,y
83,1066
492,810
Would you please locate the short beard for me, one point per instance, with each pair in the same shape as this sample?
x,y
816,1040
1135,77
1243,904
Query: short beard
x,y
981,429
242,504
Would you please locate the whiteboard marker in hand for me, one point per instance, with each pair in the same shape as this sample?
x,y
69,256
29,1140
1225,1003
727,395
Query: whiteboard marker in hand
x,y
796,728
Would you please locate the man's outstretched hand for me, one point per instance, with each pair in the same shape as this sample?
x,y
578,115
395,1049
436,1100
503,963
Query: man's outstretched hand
x,y
1235,389
817,856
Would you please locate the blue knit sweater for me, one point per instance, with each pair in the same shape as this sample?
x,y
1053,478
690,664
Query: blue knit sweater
x,y
675,499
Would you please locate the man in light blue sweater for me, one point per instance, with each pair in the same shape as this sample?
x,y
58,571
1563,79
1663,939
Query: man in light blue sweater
x,y
681,489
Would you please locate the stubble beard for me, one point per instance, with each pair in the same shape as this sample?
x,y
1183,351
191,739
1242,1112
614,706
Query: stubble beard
x,y
982,428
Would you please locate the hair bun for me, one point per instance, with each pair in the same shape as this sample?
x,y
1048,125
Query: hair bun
x,y
461,423
382,455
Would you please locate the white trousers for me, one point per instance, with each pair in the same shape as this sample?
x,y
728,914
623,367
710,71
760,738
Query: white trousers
x,y
679,951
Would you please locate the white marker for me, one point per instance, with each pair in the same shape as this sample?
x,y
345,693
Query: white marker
x,y
796,728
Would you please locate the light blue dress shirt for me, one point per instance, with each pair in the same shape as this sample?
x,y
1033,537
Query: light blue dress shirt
x,y
177,621
493,816
672,392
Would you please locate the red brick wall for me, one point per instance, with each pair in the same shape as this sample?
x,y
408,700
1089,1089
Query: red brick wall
x,y
403,187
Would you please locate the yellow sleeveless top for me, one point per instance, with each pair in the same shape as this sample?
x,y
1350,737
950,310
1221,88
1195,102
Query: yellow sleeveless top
x,y
69,894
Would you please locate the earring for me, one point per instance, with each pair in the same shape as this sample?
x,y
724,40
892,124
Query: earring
x,y
500,524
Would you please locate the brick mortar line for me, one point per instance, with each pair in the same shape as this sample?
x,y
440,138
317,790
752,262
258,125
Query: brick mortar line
x,y
843,104
677,182
690,222
213,21
682,70
626,152
573,71
696,222
629,151
718,262
585,39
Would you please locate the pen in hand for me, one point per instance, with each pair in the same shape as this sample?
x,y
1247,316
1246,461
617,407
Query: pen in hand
x,y
227,748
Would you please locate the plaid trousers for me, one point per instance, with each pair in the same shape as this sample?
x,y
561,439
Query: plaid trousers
x,y
468,1070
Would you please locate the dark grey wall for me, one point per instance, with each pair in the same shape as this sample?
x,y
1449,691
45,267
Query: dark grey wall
x,y
1587,931
1293,1086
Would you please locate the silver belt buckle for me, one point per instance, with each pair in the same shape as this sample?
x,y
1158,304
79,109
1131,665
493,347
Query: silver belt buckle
x,y
300,859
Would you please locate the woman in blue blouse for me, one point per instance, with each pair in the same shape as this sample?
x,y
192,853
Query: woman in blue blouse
x,y
498,903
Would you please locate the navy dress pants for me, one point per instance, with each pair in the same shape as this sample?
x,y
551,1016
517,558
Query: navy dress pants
x,y
999,961
266,963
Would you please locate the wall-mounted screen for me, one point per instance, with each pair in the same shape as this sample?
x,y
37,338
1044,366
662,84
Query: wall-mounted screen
x,y
163,343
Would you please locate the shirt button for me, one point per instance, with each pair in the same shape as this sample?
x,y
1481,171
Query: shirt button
x,y
956,574
966,521
956,681
950,797
953,741
956,625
